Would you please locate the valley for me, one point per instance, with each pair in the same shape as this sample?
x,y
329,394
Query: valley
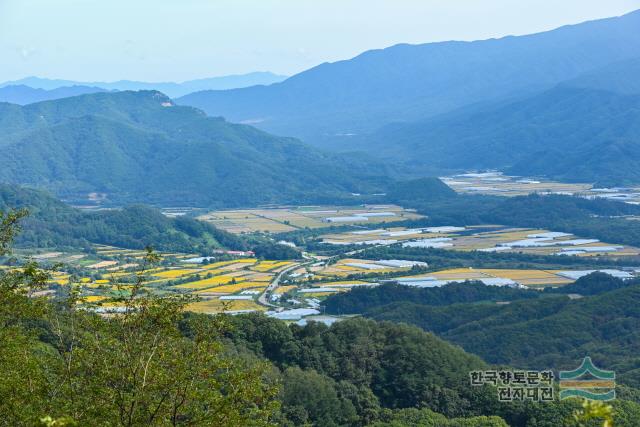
x,y
235,281
367,214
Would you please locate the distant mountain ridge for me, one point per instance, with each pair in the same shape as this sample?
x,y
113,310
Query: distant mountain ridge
x,y
172,89
139,146
329,103
23,95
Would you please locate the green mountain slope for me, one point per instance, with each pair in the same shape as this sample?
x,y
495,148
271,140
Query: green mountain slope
x,y
138,146
53,224
567,133
544,332
391,373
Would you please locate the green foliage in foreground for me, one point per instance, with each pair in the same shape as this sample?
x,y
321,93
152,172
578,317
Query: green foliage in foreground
x,y
425,418
66,365
359,372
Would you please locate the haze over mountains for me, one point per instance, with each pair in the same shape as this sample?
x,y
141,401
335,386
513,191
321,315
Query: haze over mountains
x,y
23,95
35,89
512,103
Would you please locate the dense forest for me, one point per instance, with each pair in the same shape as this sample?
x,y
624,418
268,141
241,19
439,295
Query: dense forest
x,y
139,147
551,330
51,223
362,299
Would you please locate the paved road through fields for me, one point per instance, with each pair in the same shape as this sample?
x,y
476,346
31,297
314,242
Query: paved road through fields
x,y
276,281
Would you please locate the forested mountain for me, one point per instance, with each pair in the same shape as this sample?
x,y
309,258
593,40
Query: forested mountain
x,y
568,133
53,224
358,372
172,89
423,189
550,331
140,146
362,299
22,95
327,104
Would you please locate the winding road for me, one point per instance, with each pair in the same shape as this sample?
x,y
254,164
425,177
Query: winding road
x,y
262,299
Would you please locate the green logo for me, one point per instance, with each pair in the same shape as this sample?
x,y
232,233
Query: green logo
x,y
588,382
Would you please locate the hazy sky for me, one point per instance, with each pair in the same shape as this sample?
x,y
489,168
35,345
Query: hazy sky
x,y
182,39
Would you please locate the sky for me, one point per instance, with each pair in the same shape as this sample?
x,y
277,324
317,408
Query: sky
x,y
176,40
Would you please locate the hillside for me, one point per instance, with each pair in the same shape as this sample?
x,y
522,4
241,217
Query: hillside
x,y
23,95
363,299
423,189
330,103
551,331
382,365
53,224
139,146
568,133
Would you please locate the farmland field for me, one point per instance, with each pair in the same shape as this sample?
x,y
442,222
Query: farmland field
x,y
217,306
498,184
109,271
234,285
291,218
485,238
